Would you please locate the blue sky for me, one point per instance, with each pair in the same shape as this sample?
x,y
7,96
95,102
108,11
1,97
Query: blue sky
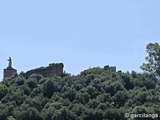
x,y
79,33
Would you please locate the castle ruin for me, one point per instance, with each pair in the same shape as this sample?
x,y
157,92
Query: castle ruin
x,y
54,69
110,68
9,71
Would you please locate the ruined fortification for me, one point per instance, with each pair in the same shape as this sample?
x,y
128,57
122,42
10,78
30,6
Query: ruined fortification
x,y
54,69
110,68
9,71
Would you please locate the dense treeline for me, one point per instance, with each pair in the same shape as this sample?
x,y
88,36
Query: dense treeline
x,y
94,94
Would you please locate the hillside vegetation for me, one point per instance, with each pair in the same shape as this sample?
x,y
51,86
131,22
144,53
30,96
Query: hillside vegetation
x,y
94,94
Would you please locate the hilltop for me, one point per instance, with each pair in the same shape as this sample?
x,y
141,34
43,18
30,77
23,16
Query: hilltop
x,y
48,93
94,94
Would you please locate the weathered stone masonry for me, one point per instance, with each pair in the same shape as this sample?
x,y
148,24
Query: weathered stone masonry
x,y
110,68
9,71
54,69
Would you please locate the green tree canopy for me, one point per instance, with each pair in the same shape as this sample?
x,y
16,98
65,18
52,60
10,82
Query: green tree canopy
x,y
94,94
153,59
3,90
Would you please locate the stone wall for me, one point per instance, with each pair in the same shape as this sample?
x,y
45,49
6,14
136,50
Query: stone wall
x,y
9,71
110,68
54,69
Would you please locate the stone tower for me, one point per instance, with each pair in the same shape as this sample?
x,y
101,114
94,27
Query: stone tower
x,y
110,69
9,71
